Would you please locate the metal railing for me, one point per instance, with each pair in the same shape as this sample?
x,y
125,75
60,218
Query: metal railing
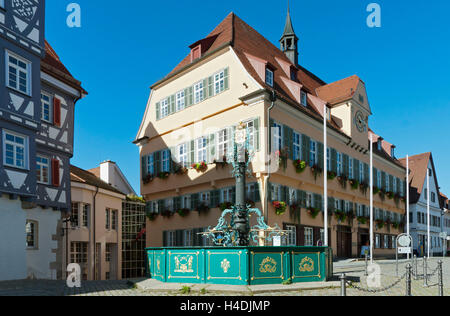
x,y
411,271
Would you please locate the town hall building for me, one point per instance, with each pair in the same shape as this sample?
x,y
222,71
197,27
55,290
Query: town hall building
x,y
235,76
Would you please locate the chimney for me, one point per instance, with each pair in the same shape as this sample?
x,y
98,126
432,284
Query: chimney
x,y
107,172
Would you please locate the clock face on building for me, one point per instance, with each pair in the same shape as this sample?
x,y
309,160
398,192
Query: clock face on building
x,y
360,121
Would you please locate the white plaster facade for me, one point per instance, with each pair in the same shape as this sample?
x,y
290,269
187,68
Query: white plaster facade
x,y
419,230
41,260
13,257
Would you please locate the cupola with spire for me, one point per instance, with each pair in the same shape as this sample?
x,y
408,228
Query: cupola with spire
x,y
289,41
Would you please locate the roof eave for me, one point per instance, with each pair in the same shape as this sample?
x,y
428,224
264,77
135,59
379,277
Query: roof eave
x,y
192,64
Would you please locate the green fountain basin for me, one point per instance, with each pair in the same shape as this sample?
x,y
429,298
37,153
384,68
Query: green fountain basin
x,y
240,265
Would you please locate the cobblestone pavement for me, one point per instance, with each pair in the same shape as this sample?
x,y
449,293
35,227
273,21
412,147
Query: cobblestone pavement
x,y
354,271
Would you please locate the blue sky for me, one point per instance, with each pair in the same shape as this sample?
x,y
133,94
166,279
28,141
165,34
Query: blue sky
x,y
122,48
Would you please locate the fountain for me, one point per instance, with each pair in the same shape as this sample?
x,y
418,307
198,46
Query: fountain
x,y
236,257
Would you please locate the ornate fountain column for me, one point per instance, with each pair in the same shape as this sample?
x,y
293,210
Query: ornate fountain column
x,y
240,217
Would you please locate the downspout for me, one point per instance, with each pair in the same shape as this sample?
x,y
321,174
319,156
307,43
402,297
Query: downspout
x,y
273,98
94,223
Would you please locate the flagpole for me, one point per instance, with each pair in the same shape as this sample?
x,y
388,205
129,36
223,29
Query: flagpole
x,y
407,200
371,198
428,213
325,178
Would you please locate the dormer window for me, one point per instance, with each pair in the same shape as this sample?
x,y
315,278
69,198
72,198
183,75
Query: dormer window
x,y
393,151
293,74
269,77
379,144
196,53
303,98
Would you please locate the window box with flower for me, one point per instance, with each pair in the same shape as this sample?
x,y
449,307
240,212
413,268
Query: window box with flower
x,y
163,175
295,211
376,190
147,179
364,186
152,216
363,220
179,169
167,213
203,208
331,175
183,212
313,212
299,165
341,216
343,181
221,163
200,166
316,170
280,207
380,223
282,156
354,184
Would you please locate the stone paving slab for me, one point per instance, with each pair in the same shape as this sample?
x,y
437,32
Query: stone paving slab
x,y
143,287
154,285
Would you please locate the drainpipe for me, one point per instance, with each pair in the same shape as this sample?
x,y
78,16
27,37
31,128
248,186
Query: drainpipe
x,y
273,98
94,223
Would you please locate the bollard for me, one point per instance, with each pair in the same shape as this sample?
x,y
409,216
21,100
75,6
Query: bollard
x,y
408,279
441,281
343,285
425,272
367,260
415,268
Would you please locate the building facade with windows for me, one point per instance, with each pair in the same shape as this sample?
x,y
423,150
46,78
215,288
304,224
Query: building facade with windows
x,y
37,100
419,165
446,221
94,232
235,76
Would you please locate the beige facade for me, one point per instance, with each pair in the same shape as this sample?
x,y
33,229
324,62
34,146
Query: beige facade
x,y
94,234
246,99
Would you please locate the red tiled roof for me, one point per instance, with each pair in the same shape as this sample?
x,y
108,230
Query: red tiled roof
x,y
248,42
95,171
419,165
53,65
339,91
83,176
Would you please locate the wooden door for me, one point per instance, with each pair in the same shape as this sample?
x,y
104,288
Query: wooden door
x,y
344,242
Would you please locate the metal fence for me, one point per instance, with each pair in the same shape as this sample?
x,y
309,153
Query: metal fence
x,y
411,272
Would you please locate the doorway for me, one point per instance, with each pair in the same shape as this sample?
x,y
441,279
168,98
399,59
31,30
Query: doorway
x,y
363,239
344,242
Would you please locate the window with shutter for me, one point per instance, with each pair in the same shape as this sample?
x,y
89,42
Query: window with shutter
x,y
333,162
172,108
256,126
55,173
226,78
356,168
158,111
212,147
312,153
320,154
57,111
